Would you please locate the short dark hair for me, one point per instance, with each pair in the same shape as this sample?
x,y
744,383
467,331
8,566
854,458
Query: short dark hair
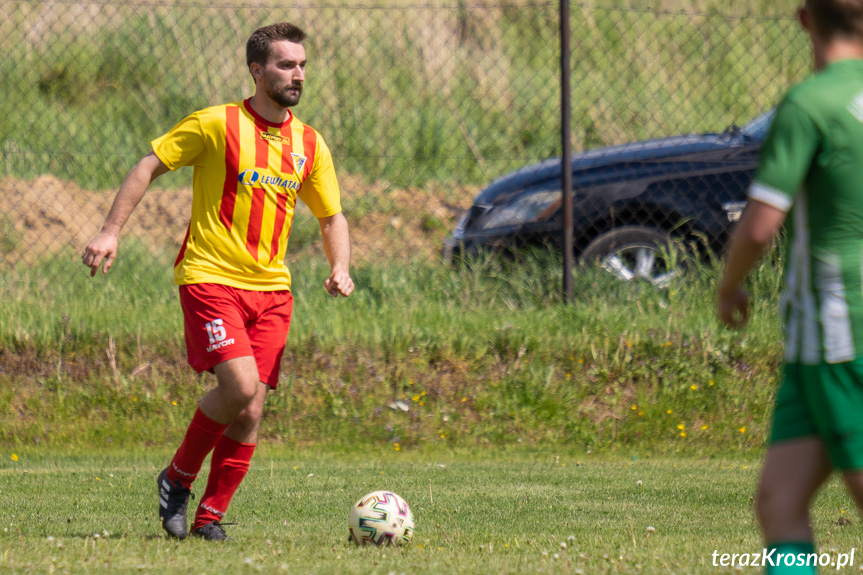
x,y
258,45
837,17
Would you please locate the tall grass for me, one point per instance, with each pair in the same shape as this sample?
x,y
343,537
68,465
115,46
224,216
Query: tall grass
x,y
456,92
483,354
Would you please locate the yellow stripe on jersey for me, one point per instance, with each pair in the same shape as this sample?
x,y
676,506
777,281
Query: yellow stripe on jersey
x,y
248,174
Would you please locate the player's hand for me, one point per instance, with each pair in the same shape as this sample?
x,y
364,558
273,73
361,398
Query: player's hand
x,y
733,307
103,246
339,284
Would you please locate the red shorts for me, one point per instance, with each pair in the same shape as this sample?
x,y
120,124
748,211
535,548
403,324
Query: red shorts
x,y
223,322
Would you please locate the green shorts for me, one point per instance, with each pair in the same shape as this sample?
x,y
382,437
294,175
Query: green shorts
x,y
824,400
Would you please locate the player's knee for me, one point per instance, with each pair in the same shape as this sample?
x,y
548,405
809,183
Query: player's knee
x,y
249,418
775,504
253,412
241,393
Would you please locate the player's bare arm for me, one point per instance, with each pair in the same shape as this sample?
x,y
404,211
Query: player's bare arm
x,y
337,246
104,245
754,232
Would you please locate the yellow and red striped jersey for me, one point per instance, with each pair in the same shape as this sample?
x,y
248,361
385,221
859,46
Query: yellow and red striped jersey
x,y
248,174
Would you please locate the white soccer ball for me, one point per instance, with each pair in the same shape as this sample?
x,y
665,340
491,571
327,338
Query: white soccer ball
x,y
381,518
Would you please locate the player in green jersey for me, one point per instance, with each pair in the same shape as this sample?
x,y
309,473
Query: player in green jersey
x,y
811,169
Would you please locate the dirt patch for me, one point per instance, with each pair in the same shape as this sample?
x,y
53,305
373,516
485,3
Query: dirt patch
x,y
45,215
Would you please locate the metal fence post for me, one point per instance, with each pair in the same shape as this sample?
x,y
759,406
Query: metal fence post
x,y
566,151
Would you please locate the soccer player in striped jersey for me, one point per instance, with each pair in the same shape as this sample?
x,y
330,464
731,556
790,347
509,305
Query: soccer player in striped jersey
x,y
811,168
252,160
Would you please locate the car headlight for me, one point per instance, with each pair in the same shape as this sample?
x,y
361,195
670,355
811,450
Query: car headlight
x,y
534,207
460,226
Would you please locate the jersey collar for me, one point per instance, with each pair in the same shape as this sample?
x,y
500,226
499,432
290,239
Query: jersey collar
x,y
247,103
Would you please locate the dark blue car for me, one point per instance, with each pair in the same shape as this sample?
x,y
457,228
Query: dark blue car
x,y
629,202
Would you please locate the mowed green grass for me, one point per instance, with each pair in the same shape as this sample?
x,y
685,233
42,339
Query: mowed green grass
x,y
490,511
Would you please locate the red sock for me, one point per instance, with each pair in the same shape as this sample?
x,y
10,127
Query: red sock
x,y
227,469
202,435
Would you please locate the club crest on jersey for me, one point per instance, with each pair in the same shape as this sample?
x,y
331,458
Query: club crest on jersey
x,y
275,138
299,161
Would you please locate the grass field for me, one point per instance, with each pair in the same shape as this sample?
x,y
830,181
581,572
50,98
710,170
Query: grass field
x,y
511,421
480,511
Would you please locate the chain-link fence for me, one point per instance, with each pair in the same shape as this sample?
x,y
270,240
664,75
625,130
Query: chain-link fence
x,y
422,106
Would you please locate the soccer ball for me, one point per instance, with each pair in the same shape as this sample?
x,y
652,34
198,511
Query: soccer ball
x,y
381,518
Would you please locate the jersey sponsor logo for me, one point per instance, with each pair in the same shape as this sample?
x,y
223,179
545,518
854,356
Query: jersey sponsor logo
x,y
255,178
275,138
299,162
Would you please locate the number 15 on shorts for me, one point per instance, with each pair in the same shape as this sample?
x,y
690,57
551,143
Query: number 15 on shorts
x,y
216,333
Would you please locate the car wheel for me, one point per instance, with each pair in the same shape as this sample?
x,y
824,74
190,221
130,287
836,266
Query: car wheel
x,y
635,253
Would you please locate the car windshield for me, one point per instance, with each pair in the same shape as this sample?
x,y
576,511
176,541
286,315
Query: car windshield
x,y
757,129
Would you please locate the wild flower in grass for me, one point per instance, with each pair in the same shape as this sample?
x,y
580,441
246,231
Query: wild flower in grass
x,y
580,361
639,483
174,403
14,457
693,387
463,399
651,529
634,407
416,398
397,446
682,434
742,429
703,427
668,412
681,426
711,382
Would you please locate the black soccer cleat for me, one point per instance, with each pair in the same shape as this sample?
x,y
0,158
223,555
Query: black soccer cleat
x,y
212,532
173,501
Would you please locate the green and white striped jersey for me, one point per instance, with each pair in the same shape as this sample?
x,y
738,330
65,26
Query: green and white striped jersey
x,y
812,165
